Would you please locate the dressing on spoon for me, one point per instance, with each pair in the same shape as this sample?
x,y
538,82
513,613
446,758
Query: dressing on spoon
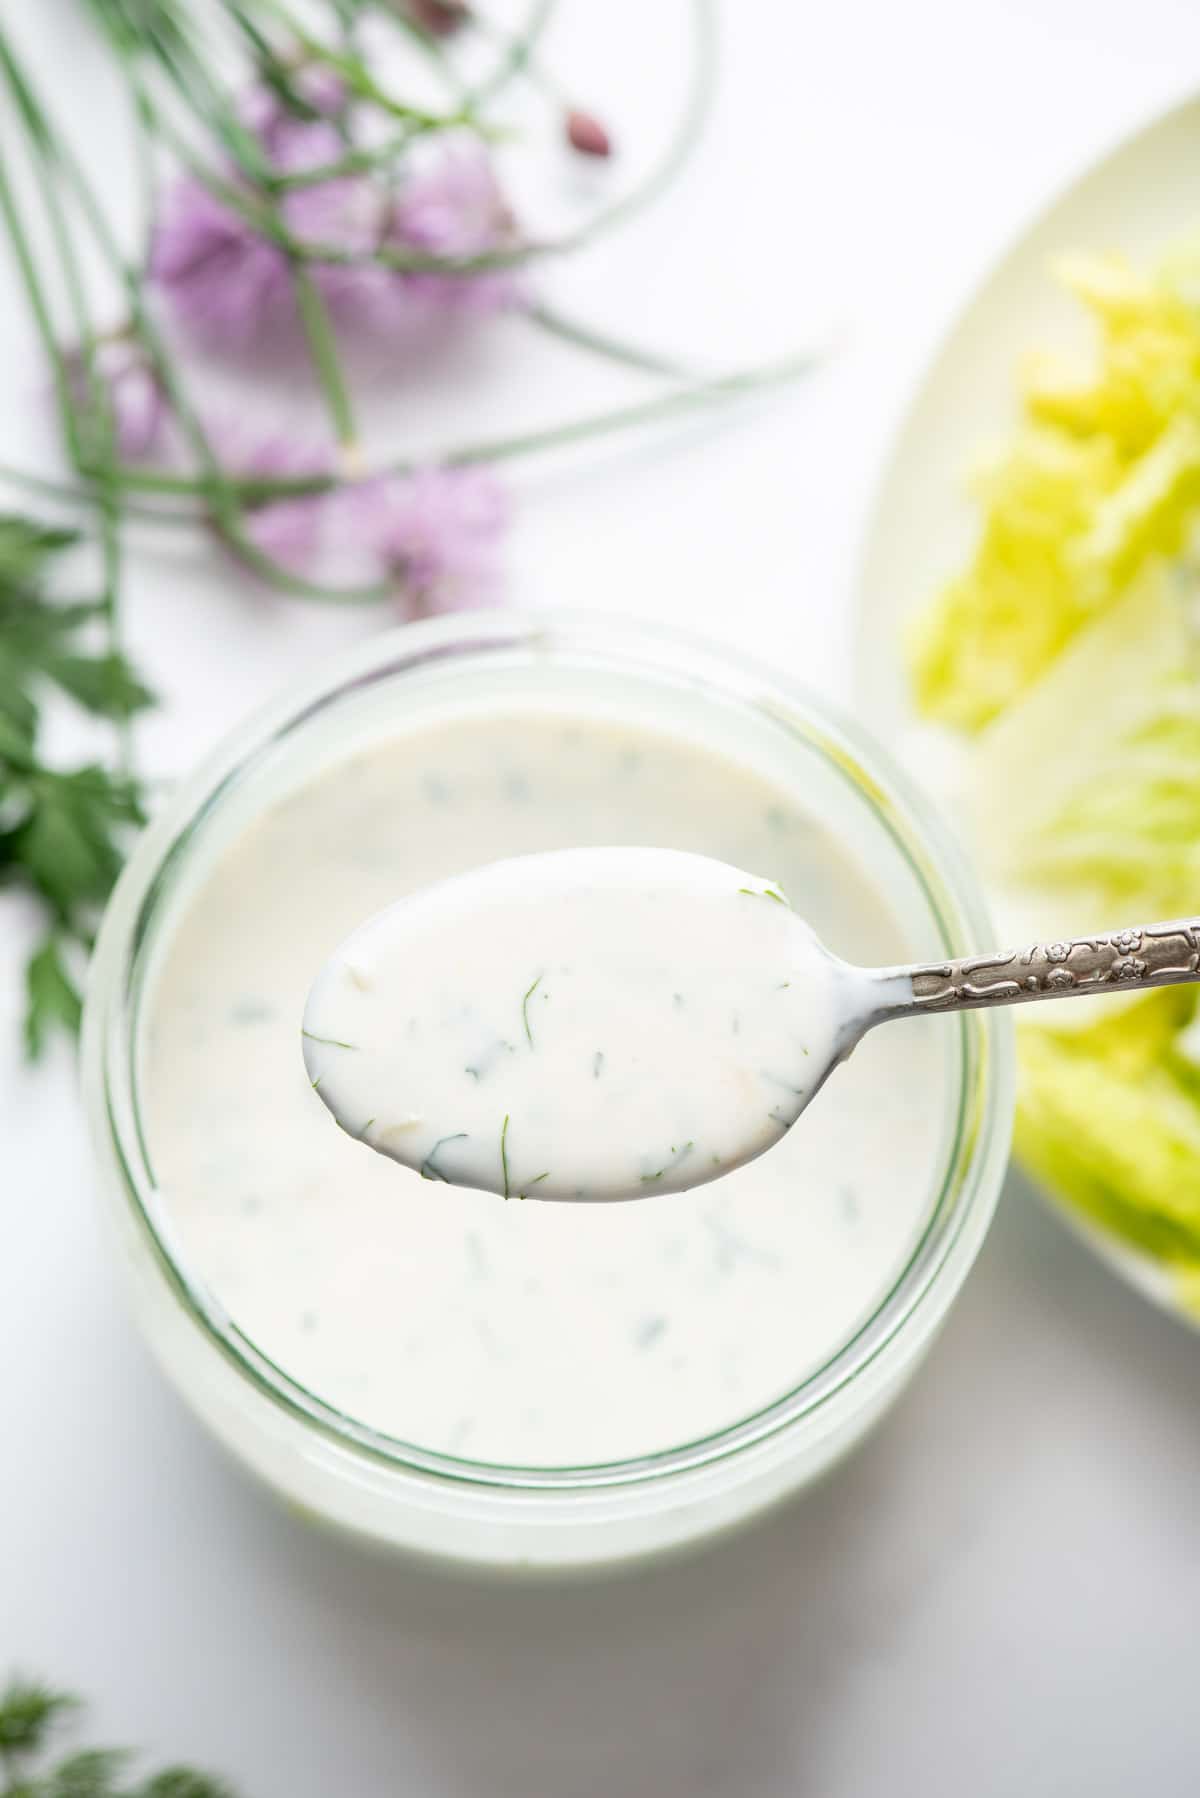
x,y
615,1023
586,1024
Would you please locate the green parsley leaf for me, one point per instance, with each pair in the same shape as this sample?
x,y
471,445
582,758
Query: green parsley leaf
x,y
51,997
104,684
28,1711
26,546
63,831
46,642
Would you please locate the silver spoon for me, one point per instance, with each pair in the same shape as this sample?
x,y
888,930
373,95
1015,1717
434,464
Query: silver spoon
x,y
619,1023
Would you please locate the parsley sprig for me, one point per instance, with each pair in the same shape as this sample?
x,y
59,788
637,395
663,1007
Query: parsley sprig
x,y
62,830
30,1715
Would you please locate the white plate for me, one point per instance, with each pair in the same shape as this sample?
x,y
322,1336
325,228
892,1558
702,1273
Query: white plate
x,y
920,527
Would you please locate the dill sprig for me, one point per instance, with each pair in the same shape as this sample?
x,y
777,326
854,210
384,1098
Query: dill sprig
x,y
31,1714
529,992
763,893
504,1153
429,1170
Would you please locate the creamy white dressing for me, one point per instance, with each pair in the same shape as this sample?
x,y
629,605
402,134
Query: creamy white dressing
x,y
587,1024
539,1335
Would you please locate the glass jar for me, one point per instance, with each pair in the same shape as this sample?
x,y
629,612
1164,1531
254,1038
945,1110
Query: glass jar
x,y
338,1469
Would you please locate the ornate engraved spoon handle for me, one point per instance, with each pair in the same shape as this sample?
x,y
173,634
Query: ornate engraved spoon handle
x,y
1146,955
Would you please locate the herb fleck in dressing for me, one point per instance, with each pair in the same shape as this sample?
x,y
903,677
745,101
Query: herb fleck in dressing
x,y
717,1010
539,1335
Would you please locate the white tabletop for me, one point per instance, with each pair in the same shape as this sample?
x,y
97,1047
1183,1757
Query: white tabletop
x,y
998,1593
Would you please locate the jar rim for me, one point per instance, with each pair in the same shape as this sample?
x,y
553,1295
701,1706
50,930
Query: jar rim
x,y
957,1215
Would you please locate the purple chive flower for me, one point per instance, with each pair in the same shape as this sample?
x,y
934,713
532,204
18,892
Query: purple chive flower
x,y
288,531
436,533
137,404
231,286
291,532
225,283
277,128
455,207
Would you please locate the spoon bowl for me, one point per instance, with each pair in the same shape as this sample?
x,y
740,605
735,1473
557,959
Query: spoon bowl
x,y
589,1024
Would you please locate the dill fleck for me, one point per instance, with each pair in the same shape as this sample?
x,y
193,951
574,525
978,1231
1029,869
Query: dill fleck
x,y
525,1009
597,1064
362,1133
428,1169
251,1011
315,1084
677,1155
783,986
649,1331
504,1148
331,1042
537,1182
763,893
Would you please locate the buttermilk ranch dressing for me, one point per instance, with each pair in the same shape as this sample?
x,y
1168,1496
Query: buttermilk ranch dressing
x,y
587,1024
530,1335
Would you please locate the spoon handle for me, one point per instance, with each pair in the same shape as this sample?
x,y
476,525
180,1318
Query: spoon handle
x,y
1121,961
